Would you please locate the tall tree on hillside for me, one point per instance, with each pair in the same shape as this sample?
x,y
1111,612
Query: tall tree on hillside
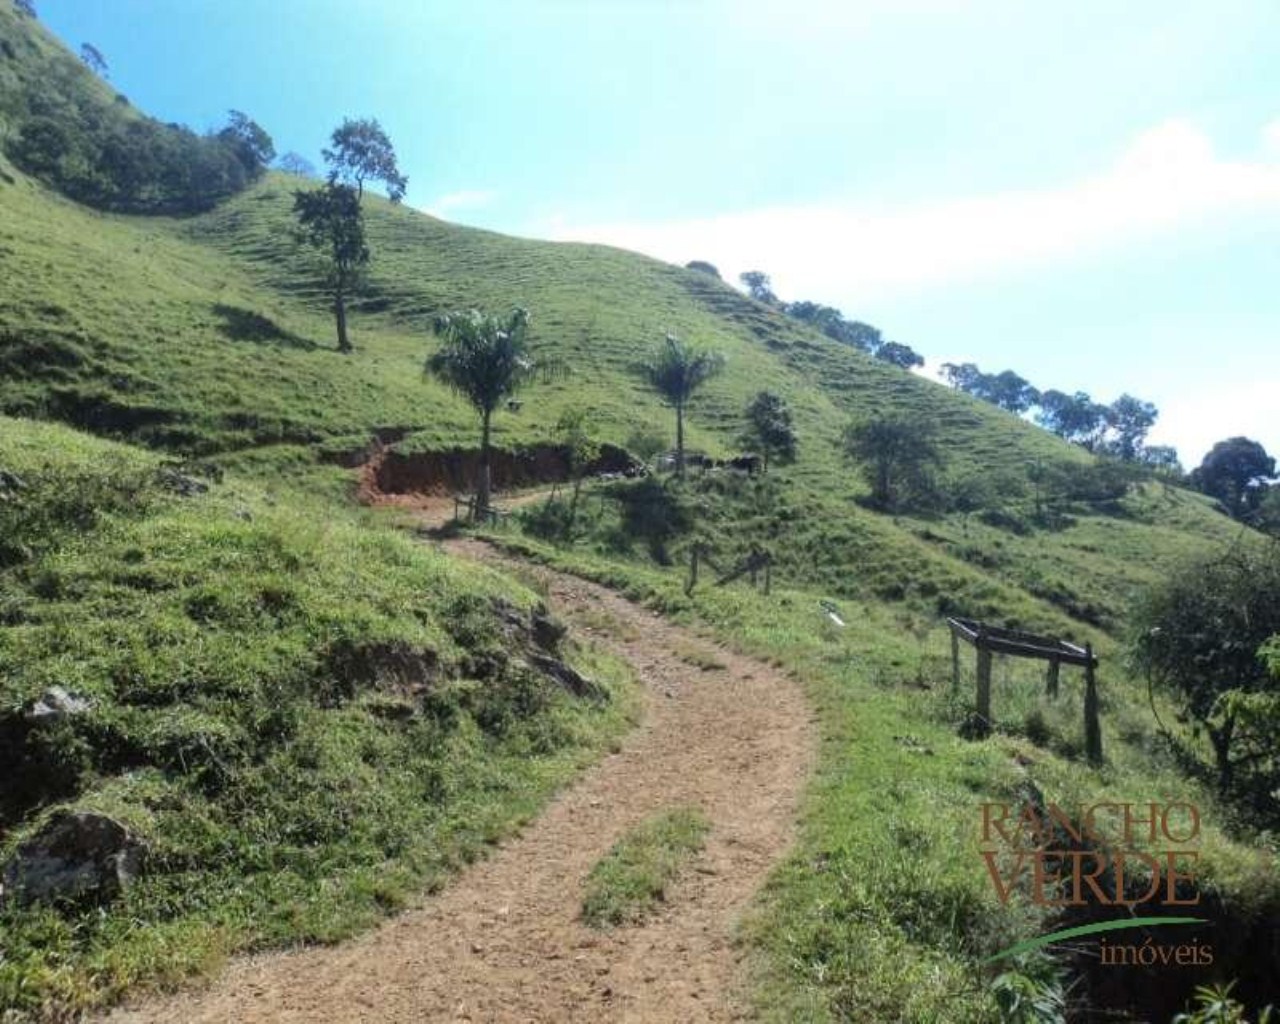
x,y
676,372
1235,472
296,163
897,454
1077,418
485,359
330,221
964,377
1128,419
770,429
900,355
362,152
249,141
1162,458
758,286
93,59
1009,391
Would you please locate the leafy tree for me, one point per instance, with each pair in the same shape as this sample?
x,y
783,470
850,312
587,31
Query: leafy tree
x,y
646,442
26,7
831,322
859,335
900,355
251,145
676,371
1077,418
1010,392
296,163
330,221
1162,458
92,58
703,267
897,454
758,286
1128,419
1234,472
770,429
1199,633
362,152
1266,517
962,376
485,359
583,450
1006,389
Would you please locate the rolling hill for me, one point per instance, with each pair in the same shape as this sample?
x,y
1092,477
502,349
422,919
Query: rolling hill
x,y
204,344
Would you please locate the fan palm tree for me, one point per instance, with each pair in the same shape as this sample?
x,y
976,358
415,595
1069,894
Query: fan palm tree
x,y
676,372
485,359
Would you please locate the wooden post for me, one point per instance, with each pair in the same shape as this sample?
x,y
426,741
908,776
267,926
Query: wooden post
x,y
1051,681
955,661
768,575
1092,726
984,686
693,571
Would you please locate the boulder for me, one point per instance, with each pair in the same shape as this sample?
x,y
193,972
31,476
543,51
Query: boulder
x,y
56,703
566,675
78,857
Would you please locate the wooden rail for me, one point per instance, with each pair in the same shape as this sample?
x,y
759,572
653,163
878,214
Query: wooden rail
x,y
989,640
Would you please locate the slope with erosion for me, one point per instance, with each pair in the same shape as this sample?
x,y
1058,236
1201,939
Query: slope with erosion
x,y
302,719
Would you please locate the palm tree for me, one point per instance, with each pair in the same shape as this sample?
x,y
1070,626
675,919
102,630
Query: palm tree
x,y
485,359
676,372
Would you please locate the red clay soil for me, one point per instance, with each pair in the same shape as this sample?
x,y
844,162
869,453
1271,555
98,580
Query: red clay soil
x,y
504,941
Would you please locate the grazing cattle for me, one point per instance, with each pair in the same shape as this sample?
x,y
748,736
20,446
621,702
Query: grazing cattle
x,y
748,463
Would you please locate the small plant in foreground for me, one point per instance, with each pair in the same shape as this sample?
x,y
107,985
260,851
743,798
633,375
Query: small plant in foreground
x,y
633,877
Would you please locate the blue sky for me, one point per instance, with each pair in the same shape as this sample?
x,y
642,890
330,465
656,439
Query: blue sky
x,y
1087,193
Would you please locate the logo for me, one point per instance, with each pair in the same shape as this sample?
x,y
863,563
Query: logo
x,y
1120,855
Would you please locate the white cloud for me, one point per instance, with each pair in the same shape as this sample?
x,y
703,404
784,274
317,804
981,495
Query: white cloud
x,y
846,251
1271,138
1195,419
465,199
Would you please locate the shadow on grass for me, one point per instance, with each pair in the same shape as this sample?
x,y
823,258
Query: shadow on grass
x,y
246,325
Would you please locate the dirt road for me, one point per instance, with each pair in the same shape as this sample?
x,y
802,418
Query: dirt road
x,y
503,942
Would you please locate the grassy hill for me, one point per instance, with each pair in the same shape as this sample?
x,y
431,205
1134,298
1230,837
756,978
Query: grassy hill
x,y
187,618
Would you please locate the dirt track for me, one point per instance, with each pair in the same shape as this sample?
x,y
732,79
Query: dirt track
x,y
503,941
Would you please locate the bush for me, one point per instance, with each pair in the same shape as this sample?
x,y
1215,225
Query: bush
x,y
1200,633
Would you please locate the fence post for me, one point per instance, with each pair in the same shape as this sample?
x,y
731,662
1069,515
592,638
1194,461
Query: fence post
x,y
984,685
1051,680
693,570
955,661
1092,725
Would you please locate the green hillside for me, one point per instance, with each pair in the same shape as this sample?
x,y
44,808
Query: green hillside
x,y
206,627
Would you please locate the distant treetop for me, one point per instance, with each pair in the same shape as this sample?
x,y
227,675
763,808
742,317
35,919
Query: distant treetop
x,y
703,267
93,59
296,163
362,152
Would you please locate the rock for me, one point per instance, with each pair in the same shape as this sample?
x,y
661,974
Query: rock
x,y
566,675
548,631
57,703
180,483
78,856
